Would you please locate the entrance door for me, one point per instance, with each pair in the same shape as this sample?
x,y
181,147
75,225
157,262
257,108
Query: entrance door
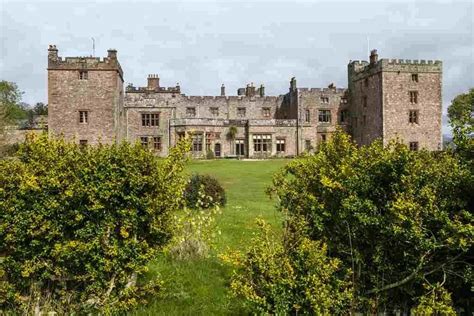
x,y
217,150
239,147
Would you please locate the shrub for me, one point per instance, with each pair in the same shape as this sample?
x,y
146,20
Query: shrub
x,y
290,275
204,191
396,217
210,154
78,225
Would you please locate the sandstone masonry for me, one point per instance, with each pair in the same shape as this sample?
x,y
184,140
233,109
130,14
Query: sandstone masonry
x,y
385,99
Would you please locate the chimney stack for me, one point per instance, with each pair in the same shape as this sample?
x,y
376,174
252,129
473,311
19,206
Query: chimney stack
x,y
222,90
112,53
153,82
262,90
52,54
374,57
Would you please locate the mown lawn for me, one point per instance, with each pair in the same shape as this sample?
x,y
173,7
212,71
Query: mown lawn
x,y
201,287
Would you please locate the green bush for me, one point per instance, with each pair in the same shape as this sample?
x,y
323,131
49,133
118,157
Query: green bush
x,y
204,191
210,154
290,275
397,218
77,226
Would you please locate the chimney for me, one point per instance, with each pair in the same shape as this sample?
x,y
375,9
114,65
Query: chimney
x,y
112,53
374,57
262,90
222,90
52,53
293,84
241,91
153,82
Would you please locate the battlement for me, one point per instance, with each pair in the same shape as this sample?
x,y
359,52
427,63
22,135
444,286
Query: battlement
x,y
132,89
323,90
55,62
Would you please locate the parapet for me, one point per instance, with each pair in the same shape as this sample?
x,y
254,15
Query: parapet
x,y
110,62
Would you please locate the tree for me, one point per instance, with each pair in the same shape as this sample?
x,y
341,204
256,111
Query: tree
x,y
40,108
231,133
10,107
395,217
77,225
461,119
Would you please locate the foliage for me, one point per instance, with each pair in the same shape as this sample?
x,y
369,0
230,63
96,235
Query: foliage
x,y
290,275
210,154
10,107
461,119
396,217
436,302
209,187
78,225
194,230
231,133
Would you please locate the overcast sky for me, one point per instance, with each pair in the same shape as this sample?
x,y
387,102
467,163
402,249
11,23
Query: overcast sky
x,y
202,44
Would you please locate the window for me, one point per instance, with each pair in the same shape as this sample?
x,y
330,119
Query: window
x,y
83,117
364,120
413,116
191,112
241,112
262,143
239,147
197,143
181,135
414,77
414,146
344,116
323,137
307,116
413,97
366,82
214,111
364,101
157,143
144,141
83,143
324,116
266,112
208,141
150,119
83,75
324,99
307,145
280,144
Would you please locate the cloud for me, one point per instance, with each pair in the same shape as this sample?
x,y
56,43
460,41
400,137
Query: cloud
x,y
202,44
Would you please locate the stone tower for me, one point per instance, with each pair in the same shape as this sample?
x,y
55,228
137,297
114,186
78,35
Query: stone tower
x,y
85,97
392,98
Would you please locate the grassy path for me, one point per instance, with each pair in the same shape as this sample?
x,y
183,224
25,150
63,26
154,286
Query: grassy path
x,y
201,287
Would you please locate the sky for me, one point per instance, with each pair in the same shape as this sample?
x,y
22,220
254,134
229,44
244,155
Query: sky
x,y
203,44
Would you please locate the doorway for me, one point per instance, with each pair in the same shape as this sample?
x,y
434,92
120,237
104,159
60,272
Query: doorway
x,y
217,150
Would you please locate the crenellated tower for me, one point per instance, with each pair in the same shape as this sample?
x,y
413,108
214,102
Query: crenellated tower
x,y
396,98
85,97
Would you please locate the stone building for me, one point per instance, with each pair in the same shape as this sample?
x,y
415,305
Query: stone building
x,y
385,99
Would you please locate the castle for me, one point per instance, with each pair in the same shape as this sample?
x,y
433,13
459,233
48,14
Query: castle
x,y
385,98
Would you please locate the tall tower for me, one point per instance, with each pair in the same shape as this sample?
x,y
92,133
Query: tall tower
x,y
396,98
85,97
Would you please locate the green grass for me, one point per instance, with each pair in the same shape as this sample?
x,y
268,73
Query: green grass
x,y
200,287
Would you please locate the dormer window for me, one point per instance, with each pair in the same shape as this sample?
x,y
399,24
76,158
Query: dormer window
x,y
83,75
414,77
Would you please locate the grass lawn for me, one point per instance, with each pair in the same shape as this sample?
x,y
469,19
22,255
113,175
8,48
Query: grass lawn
x,y
201,287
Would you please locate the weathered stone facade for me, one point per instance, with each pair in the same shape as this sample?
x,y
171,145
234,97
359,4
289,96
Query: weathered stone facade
x,y
87,103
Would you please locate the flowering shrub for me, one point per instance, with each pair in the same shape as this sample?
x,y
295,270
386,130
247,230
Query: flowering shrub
x,y
77,225
209,186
